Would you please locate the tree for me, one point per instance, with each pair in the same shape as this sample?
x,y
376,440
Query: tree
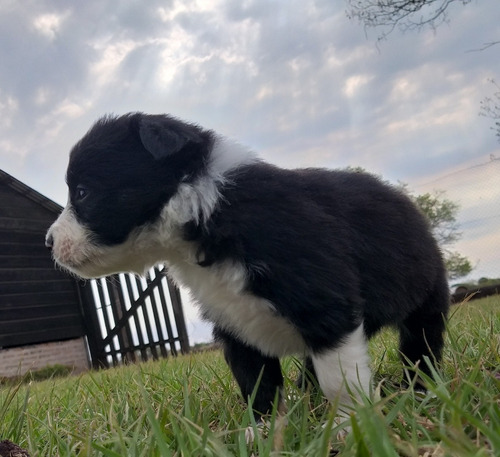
x,y
442,215
403,14
415,15
490,107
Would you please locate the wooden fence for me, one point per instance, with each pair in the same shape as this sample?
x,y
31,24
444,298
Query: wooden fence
x,y
134,319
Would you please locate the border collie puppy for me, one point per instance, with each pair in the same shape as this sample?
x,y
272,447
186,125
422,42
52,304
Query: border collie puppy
x,y
309,262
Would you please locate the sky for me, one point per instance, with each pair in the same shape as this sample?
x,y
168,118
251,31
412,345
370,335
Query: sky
x,y
296,81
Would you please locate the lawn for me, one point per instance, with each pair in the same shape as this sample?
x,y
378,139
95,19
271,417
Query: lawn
x,y
190,406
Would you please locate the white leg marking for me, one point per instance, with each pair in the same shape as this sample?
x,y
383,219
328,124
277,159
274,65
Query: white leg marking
x,y
348,364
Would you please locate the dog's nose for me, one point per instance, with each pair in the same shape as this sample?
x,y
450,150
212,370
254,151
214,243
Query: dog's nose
x,y
49,241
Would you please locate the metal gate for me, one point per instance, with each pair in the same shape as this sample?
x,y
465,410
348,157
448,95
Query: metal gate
x,y
133,318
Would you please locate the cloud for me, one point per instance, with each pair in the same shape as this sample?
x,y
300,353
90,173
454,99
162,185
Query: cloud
x,y
283,79
49,24
296,81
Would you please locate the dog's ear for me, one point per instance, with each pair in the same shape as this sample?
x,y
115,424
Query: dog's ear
x,y
163,136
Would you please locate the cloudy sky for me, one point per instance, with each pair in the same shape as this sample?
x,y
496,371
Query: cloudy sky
x,y
296,81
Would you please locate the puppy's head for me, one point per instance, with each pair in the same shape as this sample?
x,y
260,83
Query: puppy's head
x,y
120,176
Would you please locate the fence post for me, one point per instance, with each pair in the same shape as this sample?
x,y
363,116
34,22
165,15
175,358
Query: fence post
x,y
92,326
180,322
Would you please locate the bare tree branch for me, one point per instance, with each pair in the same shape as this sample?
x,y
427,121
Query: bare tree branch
x,y
403,14
416,15
485,46
490,107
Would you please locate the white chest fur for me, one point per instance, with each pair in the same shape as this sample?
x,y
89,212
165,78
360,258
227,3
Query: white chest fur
x,y
220,292
220,289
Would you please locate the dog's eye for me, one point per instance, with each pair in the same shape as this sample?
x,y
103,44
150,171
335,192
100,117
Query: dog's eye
x,y
80,193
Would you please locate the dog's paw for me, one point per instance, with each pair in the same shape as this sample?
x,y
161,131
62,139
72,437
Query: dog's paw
x,y
262,430
253,432
249,435
341,426
343,432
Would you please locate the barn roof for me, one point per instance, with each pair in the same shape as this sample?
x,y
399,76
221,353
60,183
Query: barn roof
x,y
28,192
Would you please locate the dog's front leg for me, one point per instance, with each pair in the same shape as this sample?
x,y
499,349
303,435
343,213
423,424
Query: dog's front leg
x,y
258,375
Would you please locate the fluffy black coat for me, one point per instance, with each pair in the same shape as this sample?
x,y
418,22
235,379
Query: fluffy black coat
x,y
321,253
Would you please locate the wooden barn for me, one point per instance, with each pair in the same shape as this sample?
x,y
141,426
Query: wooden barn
x,y
38,303
48,317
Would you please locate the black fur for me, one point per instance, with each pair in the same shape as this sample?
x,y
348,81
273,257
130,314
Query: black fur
x,y
334,244
251,369
328,249
129,184
339,248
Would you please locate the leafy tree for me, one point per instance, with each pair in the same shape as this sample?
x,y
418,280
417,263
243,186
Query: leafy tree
x,y
457,265
442,215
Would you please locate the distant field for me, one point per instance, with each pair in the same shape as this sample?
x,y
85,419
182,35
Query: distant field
x,y
190,406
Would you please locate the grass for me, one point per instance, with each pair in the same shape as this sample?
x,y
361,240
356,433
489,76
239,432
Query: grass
x,y
190,406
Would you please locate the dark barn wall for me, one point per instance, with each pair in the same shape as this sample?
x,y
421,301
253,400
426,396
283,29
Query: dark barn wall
x,y
38,303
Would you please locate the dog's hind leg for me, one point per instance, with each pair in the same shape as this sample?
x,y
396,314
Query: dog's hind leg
x,y
421,335
422,332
